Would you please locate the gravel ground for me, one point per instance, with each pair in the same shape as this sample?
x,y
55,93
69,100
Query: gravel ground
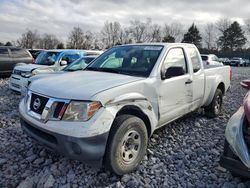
x,y
183,154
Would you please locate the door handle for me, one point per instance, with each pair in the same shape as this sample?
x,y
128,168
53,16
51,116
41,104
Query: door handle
x,y
188,81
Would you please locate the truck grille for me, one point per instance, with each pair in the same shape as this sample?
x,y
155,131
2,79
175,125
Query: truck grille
x,y
38,103
44,108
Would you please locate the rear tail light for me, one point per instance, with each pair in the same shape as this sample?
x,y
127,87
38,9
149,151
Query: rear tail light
x,y
33,60
231,73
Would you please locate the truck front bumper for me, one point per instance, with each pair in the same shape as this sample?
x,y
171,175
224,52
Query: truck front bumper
x,y
88,148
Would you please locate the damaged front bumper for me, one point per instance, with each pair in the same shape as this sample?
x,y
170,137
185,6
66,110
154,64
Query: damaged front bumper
x,y
236,155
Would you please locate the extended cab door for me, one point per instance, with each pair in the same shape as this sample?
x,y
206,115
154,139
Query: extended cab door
x,y
198,77
175,89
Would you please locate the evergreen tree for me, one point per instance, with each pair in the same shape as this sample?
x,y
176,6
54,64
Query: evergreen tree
x,y
60,46
8,43
193,36
233,38
168,38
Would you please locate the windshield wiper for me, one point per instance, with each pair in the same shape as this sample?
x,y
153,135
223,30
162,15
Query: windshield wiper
x,y
91,68
102,69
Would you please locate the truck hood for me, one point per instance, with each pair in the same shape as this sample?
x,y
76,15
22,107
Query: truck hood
x,y
79,85
29,67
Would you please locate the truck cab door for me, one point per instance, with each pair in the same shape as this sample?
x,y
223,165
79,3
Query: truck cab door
x,y
175,88
198,77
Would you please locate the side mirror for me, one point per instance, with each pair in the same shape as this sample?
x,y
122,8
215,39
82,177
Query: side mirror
x,y
172,72
245,84
63,63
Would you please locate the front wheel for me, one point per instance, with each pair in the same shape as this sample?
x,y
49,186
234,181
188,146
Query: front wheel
x,y
127,144
214,109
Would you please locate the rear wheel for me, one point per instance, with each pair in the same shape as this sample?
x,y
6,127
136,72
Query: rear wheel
x,y
127,144
214,109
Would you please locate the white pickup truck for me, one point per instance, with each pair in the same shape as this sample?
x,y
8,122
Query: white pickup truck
x,y
106,113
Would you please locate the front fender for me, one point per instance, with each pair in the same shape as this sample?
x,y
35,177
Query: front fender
x,y
136,100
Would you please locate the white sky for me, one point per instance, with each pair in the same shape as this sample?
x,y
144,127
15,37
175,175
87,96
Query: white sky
x,y
60,16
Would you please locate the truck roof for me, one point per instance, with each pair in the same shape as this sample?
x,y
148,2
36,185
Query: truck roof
x,y
160,43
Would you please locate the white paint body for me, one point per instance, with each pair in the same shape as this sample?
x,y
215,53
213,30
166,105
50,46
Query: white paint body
x,y
162,101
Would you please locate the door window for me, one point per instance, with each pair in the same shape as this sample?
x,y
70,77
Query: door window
x,y
175,63
19,53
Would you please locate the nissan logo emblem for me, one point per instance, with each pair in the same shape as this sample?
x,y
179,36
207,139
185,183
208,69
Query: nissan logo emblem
x,y
36,104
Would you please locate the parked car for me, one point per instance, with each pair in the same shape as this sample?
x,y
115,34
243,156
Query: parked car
x,y
236,156
46,62
225,61
10,56
77,65
246,62
210,60
106,113
35,52
237,61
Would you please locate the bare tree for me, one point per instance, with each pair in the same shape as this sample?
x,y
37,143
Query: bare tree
x,y
140,30
155,33
29,39
49,41
209,36
223,24
247,24
76,38
110,33
174,30
125,36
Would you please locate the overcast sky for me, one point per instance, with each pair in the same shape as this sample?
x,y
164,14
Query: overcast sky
x,y
60,16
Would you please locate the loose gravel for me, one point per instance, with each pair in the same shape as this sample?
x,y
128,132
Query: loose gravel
x,y
185,153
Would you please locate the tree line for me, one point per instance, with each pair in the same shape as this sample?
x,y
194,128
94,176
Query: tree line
x,y
224,35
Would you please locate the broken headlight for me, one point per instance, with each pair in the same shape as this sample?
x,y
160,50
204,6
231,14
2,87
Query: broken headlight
x,y
81,111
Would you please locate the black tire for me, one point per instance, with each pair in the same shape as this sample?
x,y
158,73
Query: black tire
x,y
127,144
214,109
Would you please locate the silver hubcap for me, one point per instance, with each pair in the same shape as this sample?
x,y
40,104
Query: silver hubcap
x,y
217,105
131,144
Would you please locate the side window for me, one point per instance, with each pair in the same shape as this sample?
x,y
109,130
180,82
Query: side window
x,y
70,58
175,63
195,59
19,53
4,52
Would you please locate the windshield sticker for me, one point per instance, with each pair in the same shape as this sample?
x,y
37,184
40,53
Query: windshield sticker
x,y
157,48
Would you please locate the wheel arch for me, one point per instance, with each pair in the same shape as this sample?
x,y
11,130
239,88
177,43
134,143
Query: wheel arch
x,y
136,111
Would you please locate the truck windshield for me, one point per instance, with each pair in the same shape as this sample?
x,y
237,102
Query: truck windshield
x,y
47,58
79,64
137,60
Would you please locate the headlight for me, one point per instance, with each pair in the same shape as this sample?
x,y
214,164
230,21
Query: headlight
x,y
81,111
26,74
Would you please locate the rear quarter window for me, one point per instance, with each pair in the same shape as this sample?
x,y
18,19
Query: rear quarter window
x,y
195,59
19,53
4,52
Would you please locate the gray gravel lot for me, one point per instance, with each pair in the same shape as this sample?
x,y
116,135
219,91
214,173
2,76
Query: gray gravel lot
x,y
183,154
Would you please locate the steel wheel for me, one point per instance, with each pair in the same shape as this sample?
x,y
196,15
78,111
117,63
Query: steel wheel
x,y
131,144
218,103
